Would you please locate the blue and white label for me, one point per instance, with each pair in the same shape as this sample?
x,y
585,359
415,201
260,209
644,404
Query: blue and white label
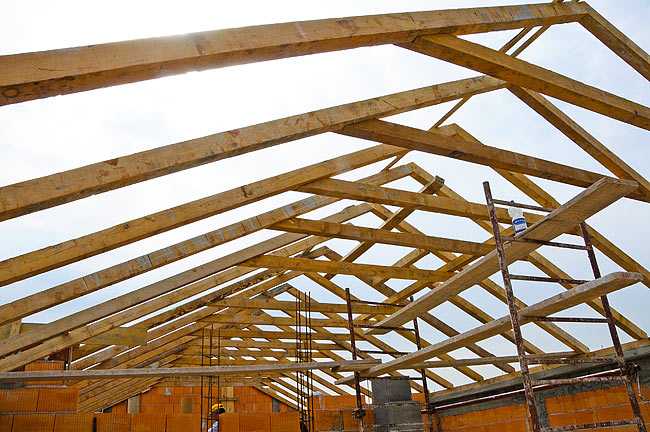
x,y
519,224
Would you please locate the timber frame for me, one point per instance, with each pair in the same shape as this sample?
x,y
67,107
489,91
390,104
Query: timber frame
x,y
153,333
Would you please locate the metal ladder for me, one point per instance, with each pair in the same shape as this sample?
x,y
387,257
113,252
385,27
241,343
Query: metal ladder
x,y
623,371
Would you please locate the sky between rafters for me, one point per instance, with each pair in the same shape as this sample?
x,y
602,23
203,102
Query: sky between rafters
x,y
51,135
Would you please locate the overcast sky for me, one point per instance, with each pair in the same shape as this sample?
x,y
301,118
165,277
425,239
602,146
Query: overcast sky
x,y
51,135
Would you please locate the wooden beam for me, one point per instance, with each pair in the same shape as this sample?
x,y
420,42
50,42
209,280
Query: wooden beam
x,y
236,333
318,266
524,74
86,326
557,303
36,262
42,74
615,40
221,318
529,188
489,360
176,372
394,220
126,336
33,263
584,139
49,191
290,306
576,210
400,198
458,148
362,234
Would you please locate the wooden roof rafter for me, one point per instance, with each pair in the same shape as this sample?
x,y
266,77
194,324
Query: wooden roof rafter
x,y
268,267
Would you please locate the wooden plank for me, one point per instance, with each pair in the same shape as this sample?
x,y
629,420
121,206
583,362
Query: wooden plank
x,y
289,306
42,74
45,192
491,360
193,281
70,251
458,148
584,139
576,210
396,197
545,200
126,336
524,74
557,303
362,234
615,40
221,318
318,266
176,372
394,220
36,262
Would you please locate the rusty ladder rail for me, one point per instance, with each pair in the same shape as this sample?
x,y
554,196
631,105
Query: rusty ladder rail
x,y
624,368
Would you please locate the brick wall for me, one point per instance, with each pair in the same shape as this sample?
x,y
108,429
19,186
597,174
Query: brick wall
x,y
560,407
167,400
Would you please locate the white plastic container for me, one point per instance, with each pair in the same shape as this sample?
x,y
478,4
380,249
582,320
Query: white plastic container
x,y
518,219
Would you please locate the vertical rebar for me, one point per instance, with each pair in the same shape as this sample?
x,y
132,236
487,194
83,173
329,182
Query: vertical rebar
x,y
514,315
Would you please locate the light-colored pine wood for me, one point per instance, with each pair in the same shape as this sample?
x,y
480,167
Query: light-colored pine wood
x,y
43,74
530,76
576,210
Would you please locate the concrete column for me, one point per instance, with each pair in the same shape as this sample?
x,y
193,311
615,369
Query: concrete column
x,y
133,405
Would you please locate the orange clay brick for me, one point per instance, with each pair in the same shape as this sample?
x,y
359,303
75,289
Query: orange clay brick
x,y
488,416
154,399
58,399
517,426
44,365
119,409
20,400
518,411
584,417
285,421
553,406
338,402
33,423
254,422
148,422
448,422
6,421
328,420
229,422
111,422
616,396
349,421
73,422
183,422
563,419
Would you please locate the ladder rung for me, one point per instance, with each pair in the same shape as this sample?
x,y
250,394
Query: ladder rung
x,y
597,425
567,319
547,279
520,205
544,242
563,381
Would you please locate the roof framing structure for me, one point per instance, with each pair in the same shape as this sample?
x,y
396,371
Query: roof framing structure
x,y
247,291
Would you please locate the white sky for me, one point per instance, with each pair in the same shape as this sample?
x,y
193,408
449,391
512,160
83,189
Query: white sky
x,y
51,135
